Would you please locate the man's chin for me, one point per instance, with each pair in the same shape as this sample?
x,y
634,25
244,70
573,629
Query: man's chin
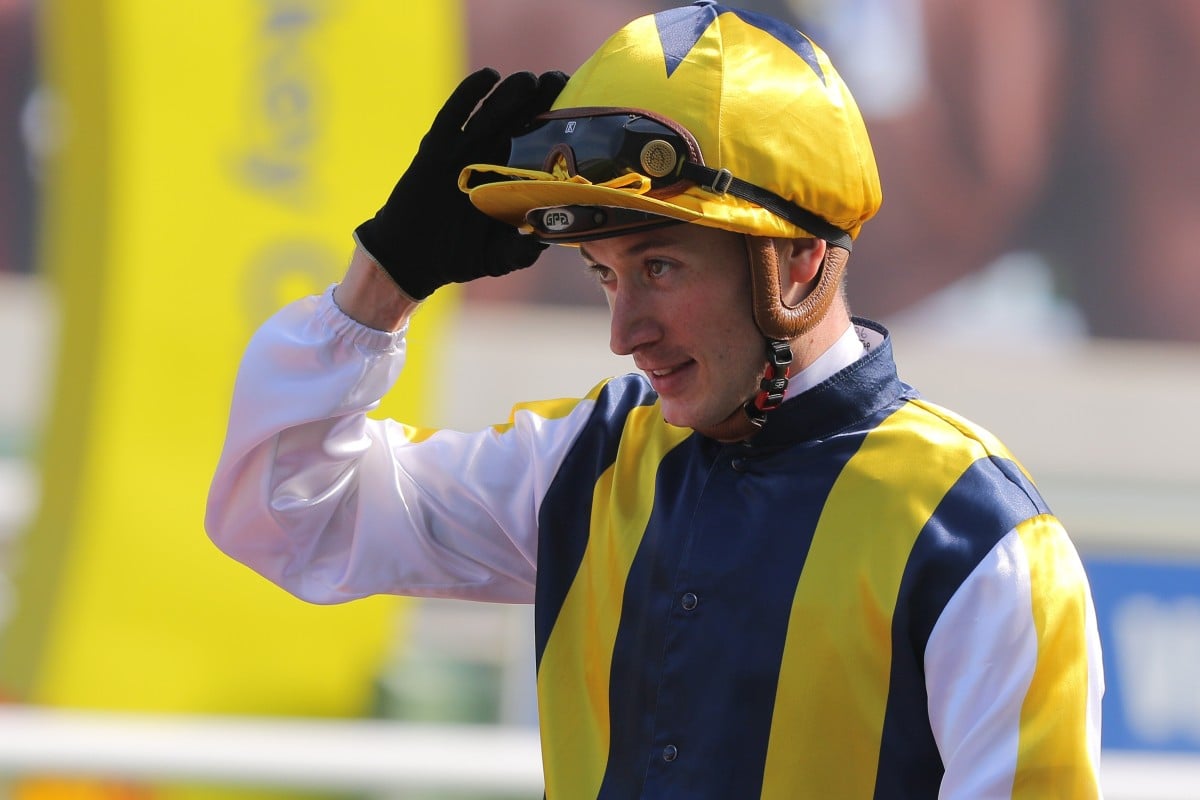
x,y
684,416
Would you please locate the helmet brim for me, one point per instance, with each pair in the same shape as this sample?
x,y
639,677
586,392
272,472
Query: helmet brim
x,y
511,200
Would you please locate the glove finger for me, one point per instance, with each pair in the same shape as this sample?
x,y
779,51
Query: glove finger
x,y
550,85
462,101
523,249
503,108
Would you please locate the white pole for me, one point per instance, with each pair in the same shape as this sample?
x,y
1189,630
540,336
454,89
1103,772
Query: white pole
x,y
366,755
286,753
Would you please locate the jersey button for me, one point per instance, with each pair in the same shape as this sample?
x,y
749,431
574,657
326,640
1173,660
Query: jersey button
x,y
670,752
689,601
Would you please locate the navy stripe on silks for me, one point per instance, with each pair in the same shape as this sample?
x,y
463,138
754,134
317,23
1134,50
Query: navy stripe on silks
x,y
1014,474
986,502
645,606
564,519
676,680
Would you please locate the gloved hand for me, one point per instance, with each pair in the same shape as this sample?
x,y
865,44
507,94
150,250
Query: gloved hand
x,y
428,234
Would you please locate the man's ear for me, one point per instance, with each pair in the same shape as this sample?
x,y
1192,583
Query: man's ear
x,y
799,264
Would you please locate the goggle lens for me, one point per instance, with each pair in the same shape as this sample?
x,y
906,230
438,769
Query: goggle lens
x,y
605,144
603,147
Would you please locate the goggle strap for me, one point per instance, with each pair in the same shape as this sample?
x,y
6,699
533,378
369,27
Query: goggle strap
x,y
722,181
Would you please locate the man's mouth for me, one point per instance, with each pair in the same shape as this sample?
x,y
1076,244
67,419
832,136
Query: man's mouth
x,y
667,379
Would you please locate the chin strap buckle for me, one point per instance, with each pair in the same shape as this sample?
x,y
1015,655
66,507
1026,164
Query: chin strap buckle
x,y
774,383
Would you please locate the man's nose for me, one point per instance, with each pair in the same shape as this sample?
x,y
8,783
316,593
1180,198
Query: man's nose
x,y
633,323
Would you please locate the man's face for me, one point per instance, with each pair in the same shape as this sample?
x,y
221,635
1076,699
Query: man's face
x,y
680,303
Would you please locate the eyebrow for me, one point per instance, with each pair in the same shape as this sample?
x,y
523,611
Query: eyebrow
x,y
634,249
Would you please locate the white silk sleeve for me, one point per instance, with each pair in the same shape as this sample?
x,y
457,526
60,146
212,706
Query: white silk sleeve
x,y
333,505
1014,674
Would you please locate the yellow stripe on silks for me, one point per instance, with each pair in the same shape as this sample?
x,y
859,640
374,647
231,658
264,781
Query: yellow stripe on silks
x,y
1052,755
545,409
577,660
985,437
836,663
549,409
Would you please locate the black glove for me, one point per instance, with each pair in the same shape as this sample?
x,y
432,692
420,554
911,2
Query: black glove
x,y
428,234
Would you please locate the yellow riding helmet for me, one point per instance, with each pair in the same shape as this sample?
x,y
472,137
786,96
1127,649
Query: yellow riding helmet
x,y
767,139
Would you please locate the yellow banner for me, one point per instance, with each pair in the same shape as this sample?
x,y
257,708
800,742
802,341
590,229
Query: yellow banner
x,y
213,157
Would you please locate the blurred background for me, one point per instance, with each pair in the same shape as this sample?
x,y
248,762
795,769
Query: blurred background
x,y
172,173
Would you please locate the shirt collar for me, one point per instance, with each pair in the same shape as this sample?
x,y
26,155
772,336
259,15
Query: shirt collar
x,y
848,348
856,389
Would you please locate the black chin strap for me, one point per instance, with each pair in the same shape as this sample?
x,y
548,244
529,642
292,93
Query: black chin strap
x,y
773,385
746,421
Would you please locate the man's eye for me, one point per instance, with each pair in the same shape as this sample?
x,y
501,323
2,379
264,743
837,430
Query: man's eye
x,y
601,274
657,268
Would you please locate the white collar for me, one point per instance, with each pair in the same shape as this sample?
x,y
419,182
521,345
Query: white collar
x,y
848,348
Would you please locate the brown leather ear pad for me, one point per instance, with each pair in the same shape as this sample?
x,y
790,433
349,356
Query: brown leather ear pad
x,y
776,320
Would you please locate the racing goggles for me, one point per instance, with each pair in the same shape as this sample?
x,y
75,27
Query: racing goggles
x,y
605,144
